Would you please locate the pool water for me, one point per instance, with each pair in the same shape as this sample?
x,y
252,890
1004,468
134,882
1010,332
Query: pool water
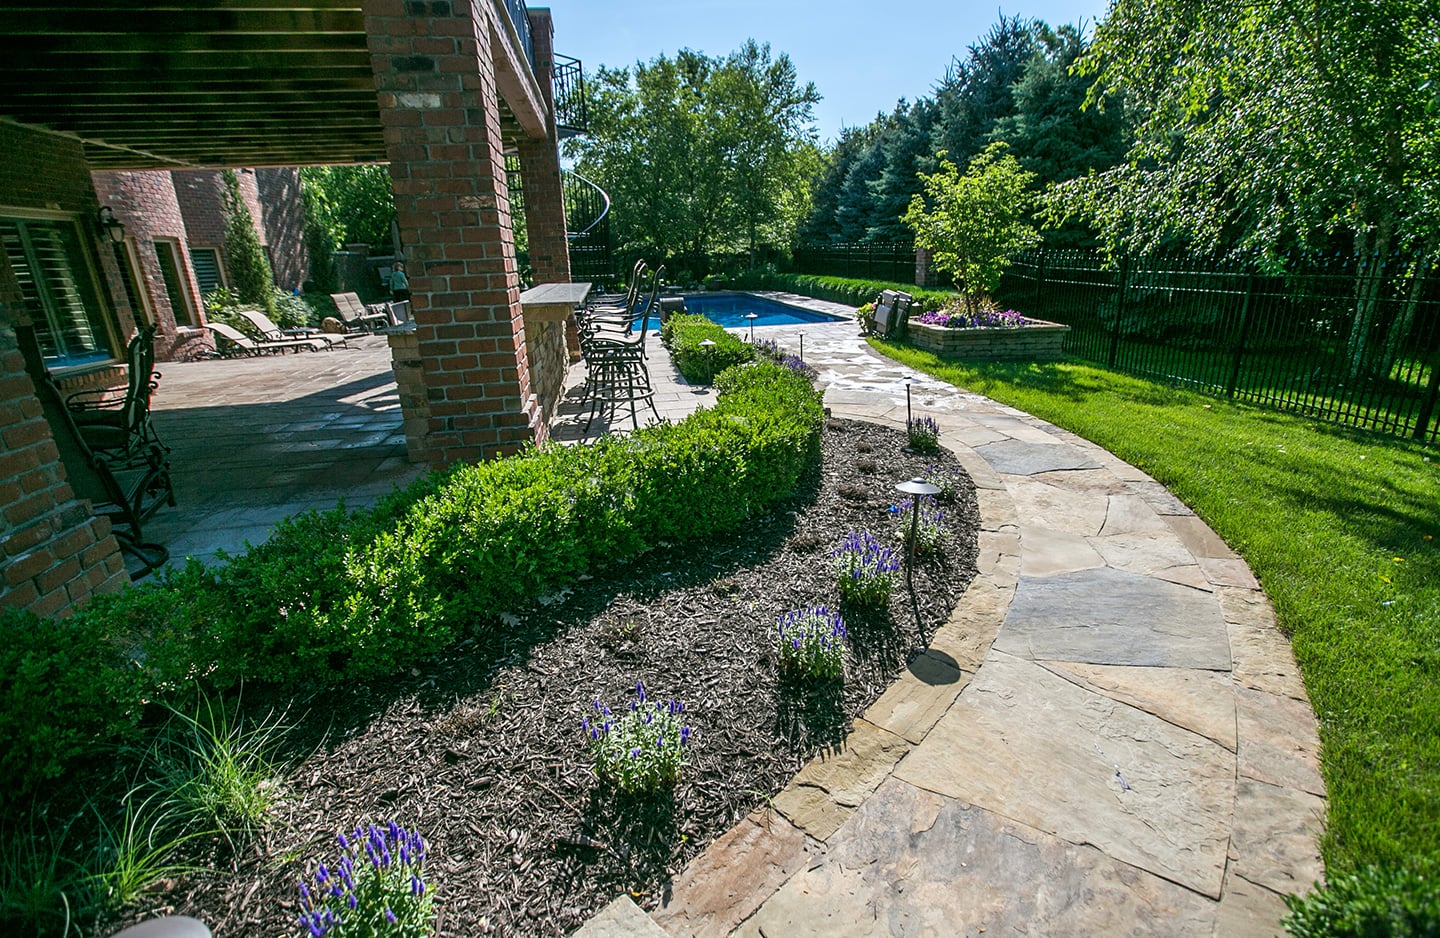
x,y
729,309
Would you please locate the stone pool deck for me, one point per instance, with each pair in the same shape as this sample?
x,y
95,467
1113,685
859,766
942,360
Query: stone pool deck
x,y
1109,736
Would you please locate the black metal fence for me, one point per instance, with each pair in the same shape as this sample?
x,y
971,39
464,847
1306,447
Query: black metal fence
x,y
1353,341
861,260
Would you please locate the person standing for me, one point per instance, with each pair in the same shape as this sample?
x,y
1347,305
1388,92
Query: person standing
x,y
399,293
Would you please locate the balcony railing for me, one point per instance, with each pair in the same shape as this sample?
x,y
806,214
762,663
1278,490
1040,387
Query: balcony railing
x,y
521,19
571,119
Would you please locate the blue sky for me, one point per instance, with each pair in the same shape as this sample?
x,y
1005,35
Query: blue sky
x,y
862,56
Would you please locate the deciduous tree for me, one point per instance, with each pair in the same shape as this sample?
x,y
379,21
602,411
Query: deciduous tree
x,y
974,224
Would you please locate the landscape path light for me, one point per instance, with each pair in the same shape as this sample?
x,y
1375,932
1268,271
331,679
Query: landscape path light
x,y
916,489
707,345
752,317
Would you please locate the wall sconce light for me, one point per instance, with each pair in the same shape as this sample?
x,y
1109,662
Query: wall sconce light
x,y
111,230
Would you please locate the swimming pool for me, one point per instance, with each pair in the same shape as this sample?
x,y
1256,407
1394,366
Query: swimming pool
x,y
729,309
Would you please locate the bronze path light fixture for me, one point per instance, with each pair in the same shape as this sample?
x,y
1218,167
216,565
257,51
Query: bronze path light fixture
x,y
916,489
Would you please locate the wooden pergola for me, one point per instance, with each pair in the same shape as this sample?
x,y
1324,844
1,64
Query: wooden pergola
x,y
198,84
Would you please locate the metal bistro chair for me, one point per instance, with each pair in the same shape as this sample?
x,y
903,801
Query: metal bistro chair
x,y
126,492
116,421
615,361
599,315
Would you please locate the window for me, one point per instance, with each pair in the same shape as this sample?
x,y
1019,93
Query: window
x,y
167,253
208,273
129,266
58,288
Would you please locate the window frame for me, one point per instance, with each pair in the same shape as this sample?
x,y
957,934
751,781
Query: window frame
x,y
107,335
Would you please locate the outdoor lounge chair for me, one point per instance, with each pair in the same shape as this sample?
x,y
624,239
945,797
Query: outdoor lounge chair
x,y
355,316
116,420
232,343
269,332
892,311
126,493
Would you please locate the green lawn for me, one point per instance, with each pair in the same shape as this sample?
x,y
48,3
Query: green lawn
x,y
1338,524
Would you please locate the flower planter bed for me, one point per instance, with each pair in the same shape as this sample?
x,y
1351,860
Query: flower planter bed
x,y
483,750
1037,340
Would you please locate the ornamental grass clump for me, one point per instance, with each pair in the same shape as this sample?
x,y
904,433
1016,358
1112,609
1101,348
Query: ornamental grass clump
x,y
865,572
642,751
811,644
929,526
924,434
377,887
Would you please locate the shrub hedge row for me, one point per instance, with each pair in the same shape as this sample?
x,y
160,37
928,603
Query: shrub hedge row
x,y
682,335
341,595
839,289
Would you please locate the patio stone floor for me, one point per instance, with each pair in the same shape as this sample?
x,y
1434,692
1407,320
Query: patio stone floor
x,y
1109,736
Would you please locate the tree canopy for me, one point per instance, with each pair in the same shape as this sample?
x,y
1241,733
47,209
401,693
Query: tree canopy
x,y
702,154
1264,126
353,204
1014,86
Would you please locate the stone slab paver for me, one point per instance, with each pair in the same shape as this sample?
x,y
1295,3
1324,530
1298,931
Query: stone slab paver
x,y
1202,702
833,784
1023,457
1276,837
1048,552
1032,746
722,887
622,918
914,863
1108,616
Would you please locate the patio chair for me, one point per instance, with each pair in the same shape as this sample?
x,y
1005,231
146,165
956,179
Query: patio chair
x,y
116,420
128,494
615,364
599,314
892,311
355,316
232,343
269,332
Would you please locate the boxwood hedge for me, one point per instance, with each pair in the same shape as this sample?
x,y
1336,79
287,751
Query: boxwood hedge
x,y
339,595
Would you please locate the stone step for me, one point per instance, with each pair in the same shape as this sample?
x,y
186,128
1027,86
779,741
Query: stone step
x,y
622,918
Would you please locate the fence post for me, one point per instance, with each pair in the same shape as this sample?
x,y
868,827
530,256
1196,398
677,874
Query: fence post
x,y
1244,332
1119,311
1039,275
1427,409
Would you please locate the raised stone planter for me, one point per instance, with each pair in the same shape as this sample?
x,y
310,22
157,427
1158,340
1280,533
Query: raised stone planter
x,y
1037,341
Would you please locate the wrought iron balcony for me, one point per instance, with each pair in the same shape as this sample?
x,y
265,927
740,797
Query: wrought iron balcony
x,y
521,20
571,119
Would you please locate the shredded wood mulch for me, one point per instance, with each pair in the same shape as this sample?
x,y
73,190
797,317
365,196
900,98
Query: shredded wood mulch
x,y
483,752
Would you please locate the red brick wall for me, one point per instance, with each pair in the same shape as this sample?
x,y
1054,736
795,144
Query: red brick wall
x,y
145,203
40,170
53,552
201,195
436,88
284,222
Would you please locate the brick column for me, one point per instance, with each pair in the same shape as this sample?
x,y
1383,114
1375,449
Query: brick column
x,y
54,554
540,170
922,267
435,84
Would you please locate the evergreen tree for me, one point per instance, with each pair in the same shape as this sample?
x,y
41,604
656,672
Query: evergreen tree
x,y
245,260
979,91
907,153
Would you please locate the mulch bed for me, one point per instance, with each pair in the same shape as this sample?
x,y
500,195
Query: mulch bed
x,y
483,751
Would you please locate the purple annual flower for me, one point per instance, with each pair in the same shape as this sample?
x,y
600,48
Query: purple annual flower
x,y
642,750
388,888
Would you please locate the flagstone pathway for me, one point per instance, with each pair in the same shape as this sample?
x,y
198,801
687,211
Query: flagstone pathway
x,y
1109,736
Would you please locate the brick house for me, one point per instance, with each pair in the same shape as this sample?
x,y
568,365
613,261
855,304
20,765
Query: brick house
x,y
100,104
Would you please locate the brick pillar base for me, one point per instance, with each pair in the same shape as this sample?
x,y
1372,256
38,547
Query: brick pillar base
x,y
54,552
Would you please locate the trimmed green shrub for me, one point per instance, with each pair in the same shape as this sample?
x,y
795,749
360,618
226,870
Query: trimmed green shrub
x,y
841,289
66,687
338,595
1372,902
683,333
